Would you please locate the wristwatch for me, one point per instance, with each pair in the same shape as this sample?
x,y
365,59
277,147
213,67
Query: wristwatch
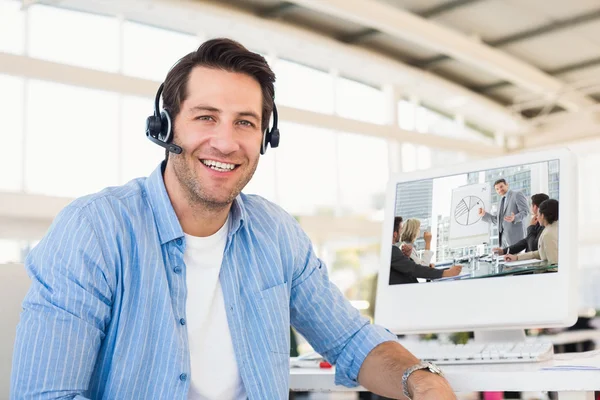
x,y
422,365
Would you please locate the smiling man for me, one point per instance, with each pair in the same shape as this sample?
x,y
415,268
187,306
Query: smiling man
x,y
178,286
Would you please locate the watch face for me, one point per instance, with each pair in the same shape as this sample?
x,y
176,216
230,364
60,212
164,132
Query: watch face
x,y
434,368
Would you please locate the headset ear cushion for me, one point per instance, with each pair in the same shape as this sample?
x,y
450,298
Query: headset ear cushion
x,y
274,138
153,126
166,130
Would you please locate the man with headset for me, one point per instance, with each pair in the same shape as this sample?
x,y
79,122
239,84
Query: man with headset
x,y
178,285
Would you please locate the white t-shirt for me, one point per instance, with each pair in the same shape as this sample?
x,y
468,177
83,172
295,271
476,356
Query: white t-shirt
x,y
214,370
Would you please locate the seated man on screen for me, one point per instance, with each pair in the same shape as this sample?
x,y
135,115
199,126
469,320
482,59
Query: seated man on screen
x,y
512,212
534,230
548,243
405,270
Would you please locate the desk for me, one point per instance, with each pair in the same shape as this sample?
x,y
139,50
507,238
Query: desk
x,y
526,377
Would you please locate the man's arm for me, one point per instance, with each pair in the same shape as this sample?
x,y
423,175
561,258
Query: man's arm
x,y
382,373
405,265
65,312
489,217
522,207
334,328
517,247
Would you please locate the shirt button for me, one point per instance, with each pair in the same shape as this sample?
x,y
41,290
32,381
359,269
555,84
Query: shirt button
x,y
182,321
177,270
179,241
183,377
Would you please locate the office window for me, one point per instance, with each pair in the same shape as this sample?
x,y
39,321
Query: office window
x,y
11,104
363,172
409,157
139,156
406,115
12,27
71,139
303,87
306,170
76,38
10,251
423,157
150,52
359,101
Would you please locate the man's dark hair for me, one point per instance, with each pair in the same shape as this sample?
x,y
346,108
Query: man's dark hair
x,y
501,180
539,198
549,209
397,222
224,54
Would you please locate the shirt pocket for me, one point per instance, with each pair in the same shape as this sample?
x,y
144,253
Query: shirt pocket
x,y
274,304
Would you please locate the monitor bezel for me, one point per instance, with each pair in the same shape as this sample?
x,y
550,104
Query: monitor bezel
x,y
534,301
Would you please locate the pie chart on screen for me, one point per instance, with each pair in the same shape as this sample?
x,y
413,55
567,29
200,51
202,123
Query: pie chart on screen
x,y
467,210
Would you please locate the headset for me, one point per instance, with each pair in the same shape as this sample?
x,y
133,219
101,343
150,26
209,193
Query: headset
x,y
159,128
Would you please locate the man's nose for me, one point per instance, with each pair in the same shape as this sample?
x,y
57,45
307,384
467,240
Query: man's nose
x,y
224,140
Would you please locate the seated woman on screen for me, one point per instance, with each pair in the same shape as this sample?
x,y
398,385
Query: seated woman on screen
x,y
410,232
548,242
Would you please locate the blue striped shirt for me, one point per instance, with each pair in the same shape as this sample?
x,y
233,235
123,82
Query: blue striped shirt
x,y
105,315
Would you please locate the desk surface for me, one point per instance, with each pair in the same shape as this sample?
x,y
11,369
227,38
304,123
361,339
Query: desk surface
x,y
486,377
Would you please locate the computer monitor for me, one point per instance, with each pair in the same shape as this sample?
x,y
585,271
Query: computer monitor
x,y
488,294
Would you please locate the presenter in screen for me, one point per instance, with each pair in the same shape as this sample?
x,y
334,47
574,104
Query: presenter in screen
x,y
534,230
511,214
410,231
548,243
405,270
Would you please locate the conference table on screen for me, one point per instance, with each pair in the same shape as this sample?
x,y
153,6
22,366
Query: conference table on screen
x,y
489,269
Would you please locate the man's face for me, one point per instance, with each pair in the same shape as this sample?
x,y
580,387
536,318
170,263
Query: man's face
x,y
218,128
396,235
501,188
534,209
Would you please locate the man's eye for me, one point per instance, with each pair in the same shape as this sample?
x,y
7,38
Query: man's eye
x,y
204,118
247,123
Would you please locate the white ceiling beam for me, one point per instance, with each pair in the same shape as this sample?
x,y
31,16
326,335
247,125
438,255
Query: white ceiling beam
x,y
564,128
405,25
333,122
71,75
294,43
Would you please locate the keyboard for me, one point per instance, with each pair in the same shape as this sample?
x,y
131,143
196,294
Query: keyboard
x,y
480,353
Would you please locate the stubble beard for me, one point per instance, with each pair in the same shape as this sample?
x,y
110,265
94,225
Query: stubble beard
x,y
198,197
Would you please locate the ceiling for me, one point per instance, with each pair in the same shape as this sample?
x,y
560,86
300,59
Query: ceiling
x,y
557,40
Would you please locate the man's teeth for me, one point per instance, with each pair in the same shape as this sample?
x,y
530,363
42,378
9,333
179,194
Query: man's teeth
x,y
218,166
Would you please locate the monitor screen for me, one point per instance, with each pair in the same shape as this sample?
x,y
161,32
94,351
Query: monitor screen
x,y
479,240
479,224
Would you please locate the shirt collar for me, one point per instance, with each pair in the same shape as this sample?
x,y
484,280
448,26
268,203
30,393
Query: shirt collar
x,y
165,218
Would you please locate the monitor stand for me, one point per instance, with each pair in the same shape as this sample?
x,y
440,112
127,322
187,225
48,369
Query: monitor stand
x,y
507,335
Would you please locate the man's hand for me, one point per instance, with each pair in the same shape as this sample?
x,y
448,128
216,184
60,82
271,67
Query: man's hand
x,y
382,371
510,257
407,249
498,250
431,265
428,386
481,212
452,271
534,220
510,218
